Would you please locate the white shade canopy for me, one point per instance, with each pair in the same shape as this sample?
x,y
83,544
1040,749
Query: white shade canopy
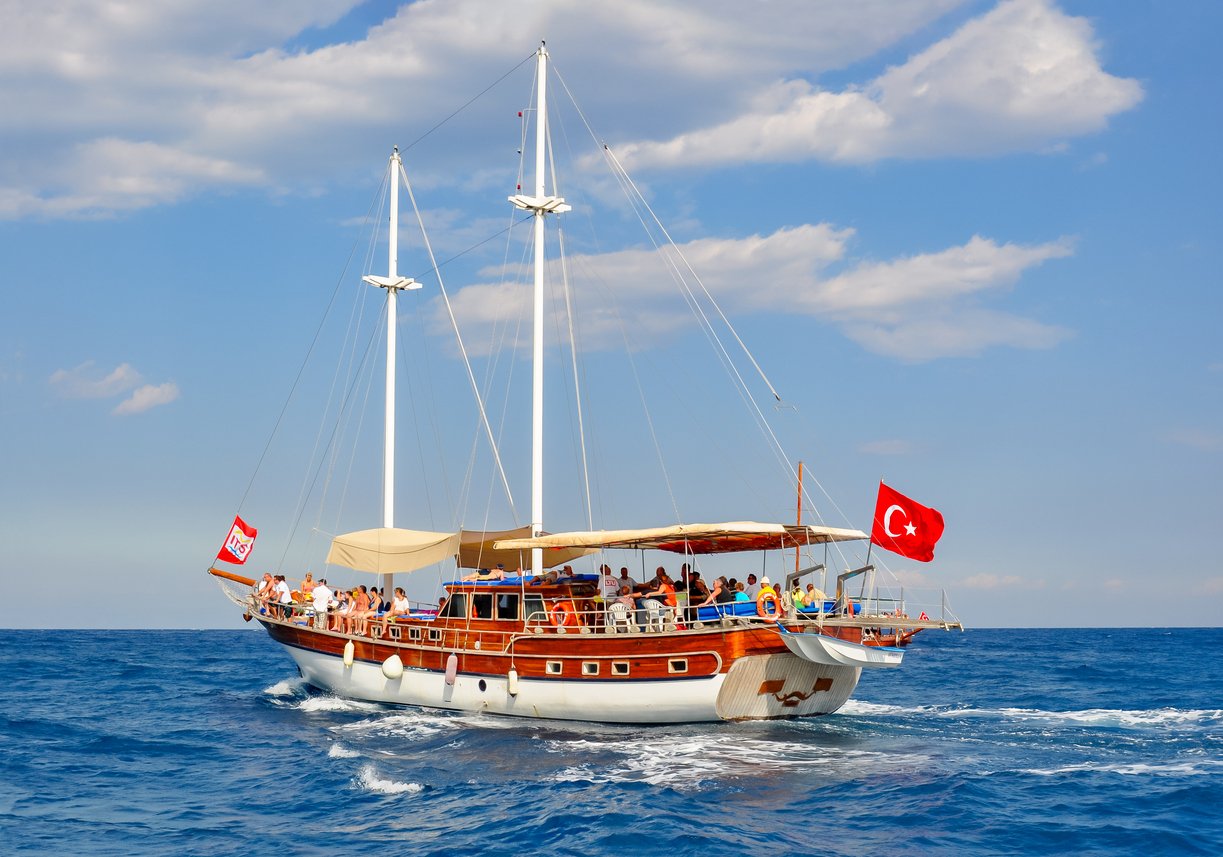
x,y
388,550
692,538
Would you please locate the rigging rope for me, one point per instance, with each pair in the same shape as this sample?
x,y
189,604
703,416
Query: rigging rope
x,y
458,337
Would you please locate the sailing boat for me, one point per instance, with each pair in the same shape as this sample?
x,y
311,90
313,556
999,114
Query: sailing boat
x,y
565,645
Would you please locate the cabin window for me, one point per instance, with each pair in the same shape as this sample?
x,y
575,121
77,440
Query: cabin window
x,y
554,668
619,667
535,610
507,606
414,633
677,665
482,606
434,635
590,667
456,606
395,632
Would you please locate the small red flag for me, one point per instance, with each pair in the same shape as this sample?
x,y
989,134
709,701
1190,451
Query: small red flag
x,y
239,542
904,526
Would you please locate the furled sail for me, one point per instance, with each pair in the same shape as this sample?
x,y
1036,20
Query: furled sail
x,y
476,550
388,550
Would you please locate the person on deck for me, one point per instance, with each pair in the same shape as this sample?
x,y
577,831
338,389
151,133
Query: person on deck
x,y
399,607
624,578
375,601
487,575
720,595
753,588
263,591
360,613
321,594
741,592
284,598
814,596
307,584
339,613
609,585
666,590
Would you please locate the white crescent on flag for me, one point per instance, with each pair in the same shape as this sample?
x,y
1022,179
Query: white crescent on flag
x,y
887,520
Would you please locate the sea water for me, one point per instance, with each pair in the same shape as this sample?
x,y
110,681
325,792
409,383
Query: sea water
x,y
985,742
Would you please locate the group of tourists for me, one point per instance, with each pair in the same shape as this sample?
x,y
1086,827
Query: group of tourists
x,y
349,611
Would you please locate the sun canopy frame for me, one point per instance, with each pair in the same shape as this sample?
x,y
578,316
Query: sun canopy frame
x,y
727,537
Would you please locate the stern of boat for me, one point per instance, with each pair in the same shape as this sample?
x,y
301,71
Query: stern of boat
x,y
765,687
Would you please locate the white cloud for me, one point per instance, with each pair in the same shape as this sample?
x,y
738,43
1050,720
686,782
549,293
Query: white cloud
x,y
1020,78
86,382
160,101
1200,439
916,308
146,397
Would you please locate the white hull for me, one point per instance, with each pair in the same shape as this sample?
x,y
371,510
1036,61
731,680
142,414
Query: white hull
x,y
756,687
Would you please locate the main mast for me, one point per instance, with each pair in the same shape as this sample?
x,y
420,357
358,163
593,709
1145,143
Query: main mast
x,y
539,205
393,283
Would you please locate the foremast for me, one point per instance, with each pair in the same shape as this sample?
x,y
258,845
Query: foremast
x,y
393,283
540,204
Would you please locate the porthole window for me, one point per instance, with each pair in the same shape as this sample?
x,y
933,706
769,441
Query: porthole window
x,y
677,665
395,632
619,667
434,635
414,633
590,667
554,668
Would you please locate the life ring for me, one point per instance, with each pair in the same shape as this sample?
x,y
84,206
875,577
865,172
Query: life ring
x,y
562,614
762,604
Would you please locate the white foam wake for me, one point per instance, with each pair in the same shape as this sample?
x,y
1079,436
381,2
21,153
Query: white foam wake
x,y
1150,718
1169,769
286,687
369,780
339,751
334,703
684,763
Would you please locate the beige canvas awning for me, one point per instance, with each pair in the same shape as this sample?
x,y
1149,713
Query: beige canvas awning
x,y
390,551
477,550
692,538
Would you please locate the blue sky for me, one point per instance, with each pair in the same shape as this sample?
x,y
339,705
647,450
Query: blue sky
x,y
974,245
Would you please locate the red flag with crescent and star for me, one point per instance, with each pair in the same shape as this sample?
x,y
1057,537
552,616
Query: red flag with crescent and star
x,y
239,543
904,526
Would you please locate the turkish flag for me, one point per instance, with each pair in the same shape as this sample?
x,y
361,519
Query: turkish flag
x,y
905,527
239,543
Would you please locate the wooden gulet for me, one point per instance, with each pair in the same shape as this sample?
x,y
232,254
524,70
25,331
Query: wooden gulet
x,y
535,647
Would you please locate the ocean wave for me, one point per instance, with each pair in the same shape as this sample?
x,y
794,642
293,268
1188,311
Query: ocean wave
x,y
1155,717
287,687
369,780
339,751
854,707
411,725
334,703
686,763
1134,769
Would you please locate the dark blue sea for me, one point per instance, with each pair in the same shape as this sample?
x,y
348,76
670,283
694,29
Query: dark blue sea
x,y
988,742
